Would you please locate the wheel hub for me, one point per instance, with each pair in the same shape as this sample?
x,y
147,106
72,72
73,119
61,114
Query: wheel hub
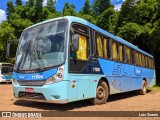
x,y
100,92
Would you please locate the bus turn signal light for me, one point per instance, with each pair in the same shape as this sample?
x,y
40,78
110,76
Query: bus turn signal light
x,y
73,85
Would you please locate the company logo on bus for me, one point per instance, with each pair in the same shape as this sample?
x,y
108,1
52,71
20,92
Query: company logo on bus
x,y
138,71
21,77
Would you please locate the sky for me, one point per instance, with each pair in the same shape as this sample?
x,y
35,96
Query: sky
x,y
59,5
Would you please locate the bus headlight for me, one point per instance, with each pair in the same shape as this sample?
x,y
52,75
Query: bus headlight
x,y
57,77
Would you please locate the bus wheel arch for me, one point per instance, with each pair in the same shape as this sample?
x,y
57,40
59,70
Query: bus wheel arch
x,y
143,91
105,79
102,92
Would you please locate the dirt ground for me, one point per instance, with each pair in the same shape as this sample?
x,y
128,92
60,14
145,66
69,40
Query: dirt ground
x,y
119,102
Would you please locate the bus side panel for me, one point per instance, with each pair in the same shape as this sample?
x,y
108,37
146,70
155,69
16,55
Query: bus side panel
x,y
153,80
82,86
125,77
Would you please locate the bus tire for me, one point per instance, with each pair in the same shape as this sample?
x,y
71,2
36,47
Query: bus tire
x,y
102,93
143,91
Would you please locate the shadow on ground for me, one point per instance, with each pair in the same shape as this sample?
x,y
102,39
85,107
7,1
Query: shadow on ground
x,y
72,105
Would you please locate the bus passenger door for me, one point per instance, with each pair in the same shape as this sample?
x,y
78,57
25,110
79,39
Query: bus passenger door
x,y
79,66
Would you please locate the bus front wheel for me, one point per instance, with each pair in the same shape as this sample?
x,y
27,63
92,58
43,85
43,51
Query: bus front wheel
x,y
101,93
143,91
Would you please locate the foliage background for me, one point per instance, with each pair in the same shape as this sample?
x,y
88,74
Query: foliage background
x,y
138,21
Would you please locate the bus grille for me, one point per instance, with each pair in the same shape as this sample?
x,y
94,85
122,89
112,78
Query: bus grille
x,y
31,83
35,96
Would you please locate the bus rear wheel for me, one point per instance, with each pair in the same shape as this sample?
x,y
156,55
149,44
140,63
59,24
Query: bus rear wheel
x,y
143,91
101,94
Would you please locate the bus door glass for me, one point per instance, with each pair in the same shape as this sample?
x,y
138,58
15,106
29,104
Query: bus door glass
x,y
78,59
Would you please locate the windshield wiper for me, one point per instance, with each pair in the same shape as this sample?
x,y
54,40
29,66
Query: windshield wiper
x,y
24,55
37,56
37,61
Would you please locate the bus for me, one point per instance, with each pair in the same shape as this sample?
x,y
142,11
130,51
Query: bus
x,y
6,70
68,59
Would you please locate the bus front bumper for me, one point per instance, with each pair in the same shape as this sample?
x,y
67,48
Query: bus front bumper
x,y
52,93
45,101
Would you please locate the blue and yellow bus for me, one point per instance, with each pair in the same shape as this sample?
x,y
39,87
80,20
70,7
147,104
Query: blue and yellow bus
x,y
68,59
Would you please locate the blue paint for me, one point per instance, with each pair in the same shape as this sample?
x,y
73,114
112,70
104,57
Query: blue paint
x,y
35,76
125,77
7,77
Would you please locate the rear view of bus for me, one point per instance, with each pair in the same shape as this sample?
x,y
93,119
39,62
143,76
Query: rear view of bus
x,y
6,70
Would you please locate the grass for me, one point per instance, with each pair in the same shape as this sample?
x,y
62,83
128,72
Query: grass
x,y
155,88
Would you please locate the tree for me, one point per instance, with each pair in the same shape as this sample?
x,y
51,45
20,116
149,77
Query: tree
x,y
88,18
86,8
51,5
144,12
130,31
18,23
47,14
156,15
68,9
18,2
19,10
107,20
38,11
154,46
126,14
155,37
6,33
101,5
10,8
31,3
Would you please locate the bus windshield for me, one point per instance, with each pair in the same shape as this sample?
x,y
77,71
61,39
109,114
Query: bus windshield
x,y
7,69
42,46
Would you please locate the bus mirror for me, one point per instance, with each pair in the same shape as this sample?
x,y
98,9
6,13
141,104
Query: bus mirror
x,y
75,42
7,50
11,49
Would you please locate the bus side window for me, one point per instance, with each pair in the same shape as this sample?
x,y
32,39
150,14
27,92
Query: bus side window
x,y
132,56
143,60
105,42
128,55
106,47
149,62
114,50
140,62
137,58
99,45
121,52
82,49
152,63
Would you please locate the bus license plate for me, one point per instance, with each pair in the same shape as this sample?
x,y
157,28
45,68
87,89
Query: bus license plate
x,y
29,90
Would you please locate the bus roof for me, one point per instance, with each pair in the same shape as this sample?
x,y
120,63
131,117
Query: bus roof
x,y
82,21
